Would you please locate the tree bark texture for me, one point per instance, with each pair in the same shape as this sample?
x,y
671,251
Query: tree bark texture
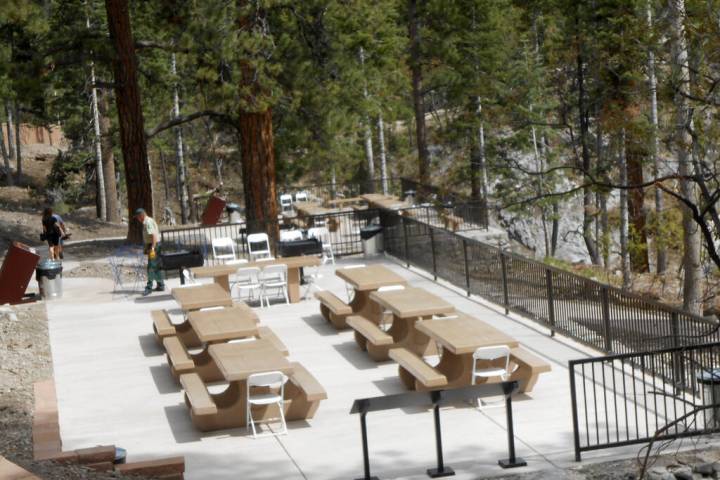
x,y
639,260
5,151
417,92
99,174
130,116
683,144
624,213
181,169
18,147
383,155
12,151
114,214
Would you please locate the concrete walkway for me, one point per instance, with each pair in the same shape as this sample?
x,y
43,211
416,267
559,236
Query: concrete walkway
x,y
114,387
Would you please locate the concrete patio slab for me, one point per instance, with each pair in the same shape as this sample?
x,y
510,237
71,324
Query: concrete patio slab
x,y
114,387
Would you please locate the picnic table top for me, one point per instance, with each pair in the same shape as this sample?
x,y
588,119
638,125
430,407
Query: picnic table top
x,y
339,202
464,334
201,296
371,277
390,202
223,324
412,302
311,208
237,361
225,269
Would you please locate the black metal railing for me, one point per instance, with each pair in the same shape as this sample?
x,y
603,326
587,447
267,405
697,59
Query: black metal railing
x,y
330,191
636,398
598,315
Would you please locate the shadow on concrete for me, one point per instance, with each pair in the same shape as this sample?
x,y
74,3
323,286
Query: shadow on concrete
x,y
318,323
164,380
149,345
358,358
154,298
180,424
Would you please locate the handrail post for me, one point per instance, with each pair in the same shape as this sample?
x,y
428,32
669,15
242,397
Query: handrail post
x,y
432,250
506,295
467,270
366,454
605,300
551,300
442,470
573,405
407,256
512,461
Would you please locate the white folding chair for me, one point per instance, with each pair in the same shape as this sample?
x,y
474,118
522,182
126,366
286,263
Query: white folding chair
x,y
223,249
258,246
323,235
271,386
286,202
497,354
301,197
348,289
290,235
247,279
274,277
188,277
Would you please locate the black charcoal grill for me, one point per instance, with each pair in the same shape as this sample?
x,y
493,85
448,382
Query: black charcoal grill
x,y
180,259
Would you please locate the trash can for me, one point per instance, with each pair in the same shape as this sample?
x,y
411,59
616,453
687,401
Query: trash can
x,y
233,211
372,240
49,277
709,381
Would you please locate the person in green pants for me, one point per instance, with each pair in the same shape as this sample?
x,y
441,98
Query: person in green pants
x,y
151,242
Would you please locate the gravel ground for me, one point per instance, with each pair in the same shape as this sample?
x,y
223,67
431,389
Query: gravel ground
x,y
24,359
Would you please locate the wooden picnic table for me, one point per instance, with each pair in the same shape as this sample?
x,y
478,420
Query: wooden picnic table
x,y
308,209
407,307
221,273
201,296
344,202
236,362
221,325
365,280
459,335
388,202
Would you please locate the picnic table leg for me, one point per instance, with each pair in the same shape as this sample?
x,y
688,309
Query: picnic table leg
x,y
224,282
456,368
294,285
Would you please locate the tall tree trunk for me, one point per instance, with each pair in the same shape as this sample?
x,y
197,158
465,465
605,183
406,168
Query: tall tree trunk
x,y
417,93
99,174
383,156
683,144
130,116
5,151
590,243
660,250
112,197
166,184
18,147
636,209
624,220
258,171
181,169
478,168
369,157
12,151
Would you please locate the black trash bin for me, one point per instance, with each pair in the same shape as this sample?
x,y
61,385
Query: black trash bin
x,y
709,381
372,239
49,277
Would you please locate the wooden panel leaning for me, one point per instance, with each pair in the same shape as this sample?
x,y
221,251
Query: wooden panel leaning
x,y
415,373
162,326
529,368
172,468
370,337
333,309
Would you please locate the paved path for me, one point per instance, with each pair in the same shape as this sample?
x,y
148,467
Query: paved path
x,y
114,387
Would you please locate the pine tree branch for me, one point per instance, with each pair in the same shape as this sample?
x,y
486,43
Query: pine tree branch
x,y
174,122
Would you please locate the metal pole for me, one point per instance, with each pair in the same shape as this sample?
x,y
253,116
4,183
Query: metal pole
x,y
407,255
467,270
506,296
512,461
551,301
573,404
441,470
605,298
432,249
366,454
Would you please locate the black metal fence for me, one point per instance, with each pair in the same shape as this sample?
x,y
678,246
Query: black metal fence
x,y
633,398
600,316
330,191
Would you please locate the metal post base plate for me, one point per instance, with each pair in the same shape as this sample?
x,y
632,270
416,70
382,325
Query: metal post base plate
x,y
519,462
445,472
368,478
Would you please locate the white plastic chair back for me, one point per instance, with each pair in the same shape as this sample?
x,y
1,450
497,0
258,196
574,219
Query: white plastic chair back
x,y
223,248
286,201
188,276
290,235
274,273
272,380
391,288
496,352
275,381
258,245
359,265
248,275
301,197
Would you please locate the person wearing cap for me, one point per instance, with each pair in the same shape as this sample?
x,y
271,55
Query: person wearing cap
x,y
151,242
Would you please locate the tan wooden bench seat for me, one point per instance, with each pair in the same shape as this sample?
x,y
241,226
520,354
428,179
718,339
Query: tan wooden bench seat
x,y
529,367
267,334
370,337
162,326
305,391
414,372
333,309
197,396
171,468
178,358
